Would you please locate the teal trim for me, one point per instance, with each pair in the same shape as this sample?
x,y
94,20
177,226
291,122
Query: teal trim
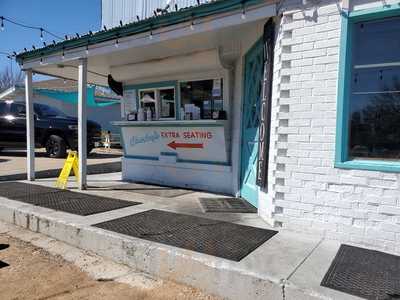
x,y
166,125
169,154
151,85
370,165
146,25
345,62
343,86
142,157
375,13
203,162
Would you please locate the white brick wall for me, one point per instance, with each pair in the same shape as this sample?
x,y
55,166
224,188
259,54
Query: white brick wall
x,y
306,192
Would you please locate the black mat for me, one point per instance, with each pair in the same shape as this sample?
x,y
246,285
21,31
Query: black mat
x,y
4,246
222,239
153,190
19,189
364,273
63,200
76,203
3,264
227,205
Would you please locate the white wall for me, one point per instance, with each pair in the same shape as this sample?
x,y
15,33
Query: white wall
x,y
306,192
126,10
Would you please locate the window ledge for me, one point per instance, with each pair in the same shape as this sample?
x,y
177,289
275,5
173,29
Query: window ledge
x,y
370,165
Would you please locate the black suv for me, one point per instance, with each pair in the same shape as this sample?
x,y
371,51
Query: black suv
x,y
54,130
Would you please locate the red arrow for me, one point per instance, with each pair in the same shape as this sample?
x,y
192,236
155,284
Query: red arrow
x,y
175,145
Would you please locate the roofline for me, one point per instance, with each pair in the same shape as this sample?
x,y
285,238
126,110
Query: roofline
x,y
7,92
153,23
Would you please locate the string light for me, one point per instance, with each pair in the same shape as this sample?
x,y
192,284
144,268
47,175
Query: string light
x,y
41,29
243,12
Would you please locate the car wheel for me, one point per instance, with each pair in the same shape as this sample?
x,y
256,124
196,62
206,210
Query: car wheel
x,y
56,147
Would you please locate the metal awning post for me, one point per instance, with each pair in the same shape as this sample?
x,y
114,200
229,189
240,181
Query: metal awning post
x,y
82,122
30,127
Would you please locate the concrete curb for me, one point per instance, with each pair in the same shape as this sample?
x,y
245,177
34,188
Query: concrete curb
x,y
213,275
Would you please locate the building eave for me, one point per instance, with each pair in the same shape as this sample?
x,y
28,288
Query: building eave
x,y
153,23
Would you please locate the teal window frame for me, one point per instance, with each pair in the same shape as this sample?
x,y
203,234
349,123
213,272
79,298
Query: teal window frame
x,y
342,159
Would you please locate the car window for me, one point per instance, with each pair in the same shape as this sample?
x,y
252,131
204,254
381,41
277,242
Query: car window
x,y
17,109
47,111
3,108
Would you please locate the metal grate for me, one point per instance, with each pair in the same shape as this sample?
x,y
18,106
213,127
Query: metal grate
x,y
222,239
365,273
227,205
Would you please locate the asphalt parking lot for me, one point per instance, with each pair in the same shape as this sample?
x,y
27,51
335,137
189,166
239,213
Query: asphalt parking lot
x,y
13,163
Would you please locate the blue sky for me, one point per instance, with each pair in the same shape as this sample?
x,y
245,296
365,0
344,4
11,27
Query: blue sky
x,y
57,16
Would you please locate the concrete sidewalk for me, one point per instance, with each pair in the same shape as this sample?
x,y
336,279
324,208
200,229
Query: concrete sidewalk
x,y
13,163
288,266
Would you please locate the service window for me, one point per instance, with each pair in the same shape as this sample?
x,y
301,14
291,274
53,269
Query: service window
x,y
161,102
374,94
167,103
205,94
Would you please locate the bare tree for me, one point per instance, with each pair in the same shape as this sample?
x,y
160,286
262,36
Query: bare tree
x,y
8,78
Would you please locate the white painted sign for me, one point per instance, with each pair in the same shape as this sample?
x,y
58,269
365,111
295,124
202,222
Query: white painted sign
x,y
129,101
203,144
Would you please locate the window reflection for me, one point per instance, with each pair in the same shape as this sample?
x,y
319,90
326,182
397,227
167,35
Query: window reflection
x,y
374,102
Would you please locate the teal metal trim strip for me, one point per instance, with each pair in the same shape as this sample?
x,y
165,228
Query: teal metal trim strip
x,y
153,23
370,165
342,127
166,125
385,11
142,157
169,154
342,101
203,162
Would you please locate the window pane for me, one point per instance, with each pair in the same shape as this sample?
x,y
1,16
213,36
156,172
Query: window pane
x,y
148,101
167,103
376,41
374,100
205,94
3,108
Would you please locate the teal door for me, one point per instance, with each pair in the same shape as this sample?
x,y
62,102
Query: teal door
x,y
254,65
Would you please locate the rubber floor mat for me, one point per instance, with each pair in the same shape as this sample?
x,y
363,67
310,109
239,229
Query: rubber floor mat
x,y
19,189
3,264
213,237
76,203
226,205
364,273
153,190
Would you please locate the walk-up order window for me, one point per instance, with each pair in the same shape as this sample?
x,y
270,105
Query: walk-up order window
x,y
161,102
204,94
